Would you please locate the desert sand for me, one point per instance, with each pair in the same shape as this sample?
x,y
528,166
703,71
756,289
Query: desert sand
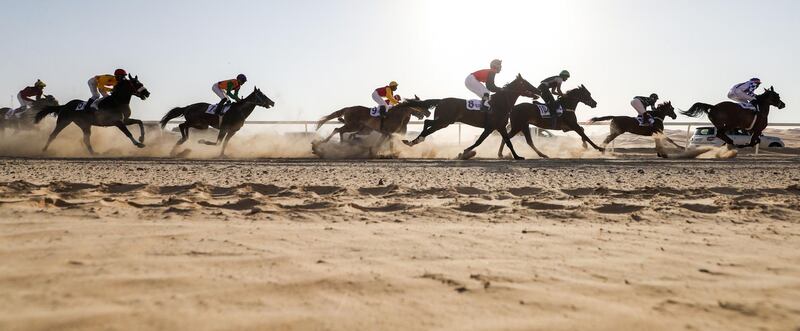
x,y
629,243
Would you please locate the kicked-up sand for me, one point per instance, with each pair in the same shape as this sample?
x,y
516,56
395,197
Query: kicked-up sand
x,y
613,244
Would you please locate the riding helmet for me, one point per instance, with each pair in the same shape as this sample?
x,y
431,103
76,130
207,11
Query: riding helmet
x,y
564,74
654,96
755,80
241,78
496,64
39,84
393,84
120,72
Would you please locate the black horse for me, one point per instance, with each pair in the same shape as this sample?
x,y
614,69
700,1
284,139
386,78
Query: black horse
x,y
24,120
626,124
453,110
113,110
727,116
198,117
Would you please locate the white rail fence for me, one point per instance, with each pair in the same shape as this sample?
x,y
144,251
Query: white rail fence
x,y
311,124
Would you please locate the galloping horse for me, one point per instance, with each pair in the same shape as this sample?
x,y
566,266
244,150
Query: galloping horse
x,y
453,110
113,110
198,117
626,124
24,120
528,113
358,118
728,116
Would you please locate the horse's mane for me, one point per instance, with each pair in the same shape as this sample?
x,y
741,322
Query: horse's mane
x,y
665,103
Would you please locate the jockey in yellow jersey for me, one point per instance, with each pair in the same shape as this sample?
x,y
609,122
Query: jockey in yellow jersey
x,y
101,85
227,90
384,96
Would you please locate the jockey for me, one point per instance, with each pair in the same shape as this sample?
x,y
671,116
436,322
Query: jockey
x,y
24,97
228,89
476,80
548,88
641,104
745,93
101,85
384,96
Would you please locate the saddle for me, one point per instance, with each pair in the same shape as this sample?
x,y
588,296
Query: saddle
x,y
641,121
90,104
475,105
379,111
748,106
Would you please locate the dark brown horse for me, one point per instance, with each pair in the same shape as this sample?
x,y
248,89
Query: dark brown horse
x,y
113,110
626,124
24,120
197,117
528,113
728,116
359,119
454,110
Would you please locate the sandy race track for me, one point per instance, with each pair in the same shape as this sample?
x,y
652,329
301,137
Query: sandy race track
x,y
634,243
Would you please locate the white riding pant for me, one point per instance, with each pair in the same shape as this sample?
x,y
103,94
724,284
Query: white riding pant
x,y
639,106
96,93
219,92
739,96
476,86
379,100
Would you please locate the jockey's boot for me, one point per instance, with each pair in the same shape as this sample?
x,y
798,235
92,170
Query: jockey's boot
x,y
220,106
754,102
485,103
382,110
553,108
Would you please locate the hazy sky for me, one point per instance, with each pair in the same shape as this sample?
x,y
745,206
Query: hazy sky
x,y
313,57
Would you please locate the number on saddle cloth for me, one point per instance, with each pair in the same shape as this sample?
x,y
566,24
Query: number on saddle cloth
x,y
375,111
474,105
213,108
544,112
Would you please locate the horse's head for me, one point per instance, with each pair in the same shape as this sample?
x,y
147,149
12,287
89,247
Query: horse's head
x,y
46,101
667,110
772,98
419,108
137,88
582,95
258,98
522,87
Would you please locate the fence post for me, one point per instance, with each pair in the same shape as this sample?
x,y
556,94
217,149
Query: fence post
x,y
459,134
306,125
688,135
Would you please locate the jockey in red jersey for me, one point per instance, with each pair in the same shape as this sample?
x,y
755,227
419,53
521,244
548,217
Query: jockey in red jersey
x,y
476,80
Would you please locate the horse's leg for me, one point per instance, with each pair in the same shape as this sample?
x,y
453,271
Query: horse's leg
x,y
578,129
184,134
507,140
60,125
220,136
722,136
132,121
529,139
87,138
225,142
128,134
484,135
674,143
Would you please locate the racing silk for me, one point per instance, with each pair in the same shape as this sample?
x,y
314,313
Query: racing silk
x,y
231,88
486,76
748,88
647,102
31,91
387,93
553,82
105,83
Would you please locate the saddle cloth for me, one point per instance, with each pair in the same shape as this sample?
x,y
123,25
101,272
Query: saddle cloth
x,y
376,111
212,109
474,105
90,103
643,123
544,112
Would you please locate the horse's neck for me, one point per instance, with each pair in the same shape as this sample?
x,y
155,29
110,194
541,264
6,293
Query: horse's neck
x,y
122,97
247,109
510,98
568,102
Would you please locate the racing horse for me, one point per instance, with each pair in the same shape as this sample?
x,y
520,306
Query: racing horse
x,y
24,120
453,110
200,116
530,113
360,119
625,124
113,110
727,116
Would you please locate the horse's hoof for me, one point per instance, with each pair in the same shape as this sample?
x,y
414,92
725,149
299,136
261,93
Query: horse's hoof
x,y
141,139
140,145
467,155
519,158
408,143
544,156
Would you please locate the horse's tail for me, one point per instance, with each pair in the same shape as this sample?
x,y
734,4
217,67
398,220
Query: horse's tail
x,y
601,119
172,114
46,111
698,109
333,115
